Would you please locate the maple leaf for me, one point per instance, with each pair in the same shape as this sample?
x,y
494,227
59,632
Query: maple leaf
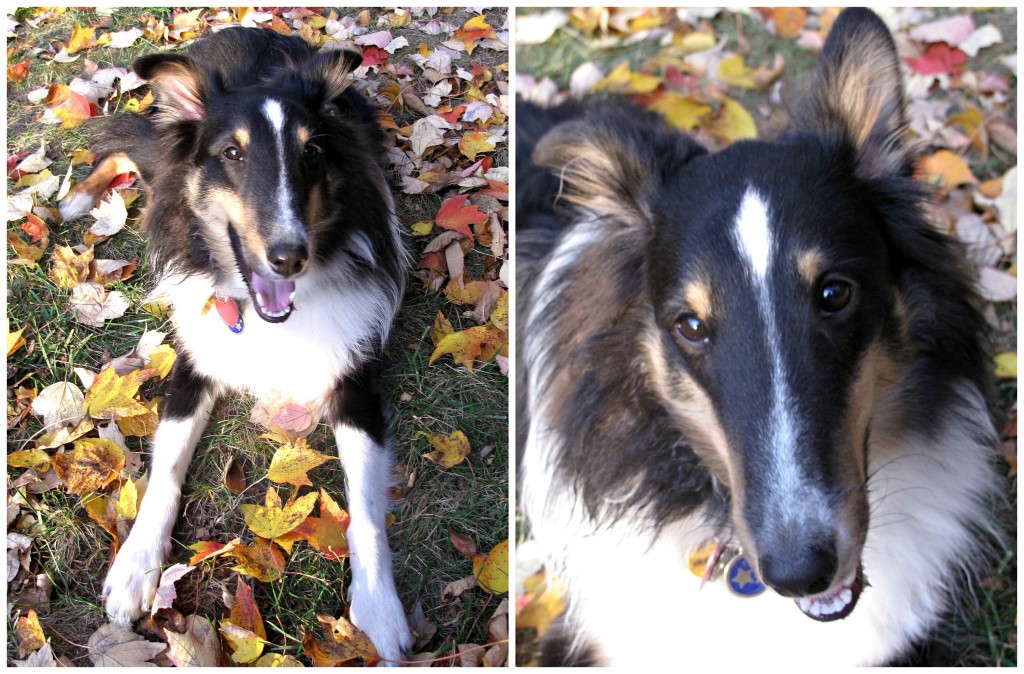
x,y
68,107
208,549
113,397
789,21
64,434
277,660
35,228
143,424
343,642
455,215
81,38
944,169
449,450
27,253
246,645
732,122
68,268
542,603
326,533
166,593
481,342
262,560
14,339
114,645
93,305
291,462
244,611
17,72
92,465
273,519
59,404
938,59
472,144
491,571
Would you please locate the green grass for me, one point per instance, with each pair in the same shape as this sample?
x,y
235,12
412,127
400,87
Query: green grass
x,y
74,552
984,635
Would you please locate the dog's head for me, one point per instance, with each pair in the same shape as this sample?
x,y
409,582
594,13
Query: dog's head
x,y
775,325
278,172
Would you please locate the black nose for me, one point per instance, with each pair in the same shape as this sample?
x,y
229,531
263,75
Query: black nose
x,y
287,259
801,573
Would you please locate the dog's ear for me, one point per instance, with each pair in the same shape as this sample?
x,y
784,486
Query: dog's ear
x,y
858,93
612,161
333,67
179,87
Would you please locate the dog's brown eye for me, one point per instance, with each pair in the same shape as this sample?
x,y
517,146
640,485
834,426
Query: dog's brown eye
x,y
310,152
835,295
233,153
693,329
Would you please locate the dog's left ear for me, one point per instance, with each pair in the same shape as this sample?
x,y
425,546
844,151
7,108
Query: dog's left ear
x,y
858,93
332,67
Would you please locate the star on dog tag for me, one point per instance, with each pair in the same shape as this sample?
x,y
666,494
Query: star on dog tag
x,y
230,314
741,578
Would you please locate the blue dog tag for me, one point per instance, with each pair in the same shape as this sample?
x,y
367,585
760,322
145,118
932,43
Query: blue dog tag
x,y
742,579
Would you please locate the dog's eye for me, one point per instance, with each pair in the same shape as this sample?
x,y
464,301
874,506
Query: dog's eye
x,y
835,296
310,152
693,329
233,153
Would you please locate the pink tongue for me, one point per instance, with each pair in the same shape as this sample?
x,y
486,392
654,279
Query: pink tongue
x,y
276,295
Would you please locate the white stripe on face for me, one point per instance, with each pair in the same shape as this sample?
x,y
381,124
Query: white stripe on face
x,y
792,497
286,218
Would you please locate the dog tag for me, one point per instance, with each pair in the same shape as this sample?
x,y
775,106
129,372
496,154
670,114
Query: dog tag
x,y
230,314
741,578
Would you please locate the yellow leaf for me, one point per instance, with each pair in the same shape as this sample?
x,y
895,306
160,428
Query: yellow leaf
x,y
442,326
161,359
14,339
64,435
27,254
734,71
499,316
262,560
291,462
449,450
277,660
112,396
546,601
68,268
624,81
81,38
681,111
82,156
695,42
29,458
1006,366
30,633
208,549
92,465
422,228
127,503
141,425
732,122
945,169
247,645
481,342
272,520
475,143
492,571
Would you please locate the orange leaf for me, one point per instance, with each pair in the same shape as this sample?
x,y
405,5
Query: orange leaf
x,y
68,268
455,215
81,38
30,633
945,169
208,549
70,107
327,532
481,342
92,465
475,143
789,21
262,560
18,72
244,612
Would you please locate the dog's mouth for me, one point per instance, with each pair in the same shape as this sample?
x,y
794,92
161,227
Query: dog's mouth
x,y
272,298
836,603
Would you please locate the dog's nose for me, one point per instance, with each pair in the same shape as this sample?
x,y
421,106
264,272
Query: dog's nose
x,y
800,574
287,259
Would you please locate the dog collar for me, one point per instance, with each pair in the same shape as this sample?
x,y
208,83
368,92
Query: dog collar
x,y
720,561
228,311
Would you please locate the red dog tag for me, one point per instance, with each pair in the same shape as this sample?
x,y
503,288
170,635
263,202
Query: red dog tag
x,y
229,312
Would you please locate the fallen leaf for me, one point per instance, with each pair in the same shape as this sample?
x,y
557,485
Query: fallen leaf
x,y
93,305
938,59
277,660
67,107
244,612
262,560
199,646
681,111
234,476
81,38
68,268
1006,366
92,465
342,642
457,587
952,30
622,80
208,549
997,286
481,342
41,658
17,72
477,142
62,435
545,602
113,396
111,215
491,571
326,533
463,545
59,404
449,450
116,645
789,21
245,645
732,122
29,458
945,169
30,632
166,593
291,462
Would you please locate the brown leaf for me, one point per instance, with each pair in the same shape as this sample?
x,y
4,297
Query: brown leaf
x,y
92,465
166,593
463,545
234,476
198,647
116,645
457,587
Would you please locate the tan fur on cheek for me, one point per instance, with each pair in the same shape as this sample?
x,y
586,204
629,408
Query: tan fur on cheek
x,y
698,298
810,264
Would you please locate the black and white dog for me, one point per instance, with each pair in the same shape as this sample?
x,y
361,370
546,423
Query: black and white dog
x,y
762,364
273,237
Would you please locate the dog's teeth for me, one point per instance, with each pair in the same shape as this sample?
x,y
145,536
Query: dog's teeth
x,y
260,300
846,596
291,297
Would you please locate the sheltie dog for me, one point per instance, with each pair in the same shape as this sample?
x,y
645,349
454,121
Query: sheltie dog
x,y
273,238
762,363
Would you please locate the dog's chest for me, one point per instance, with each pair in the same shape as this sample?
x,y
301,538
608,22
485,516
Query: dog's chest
x,y
300,359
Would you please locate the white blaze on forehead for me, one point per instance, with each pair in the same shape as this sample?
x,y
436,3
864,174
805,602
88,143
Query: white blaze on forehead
x,y
274,112
792,497
753,236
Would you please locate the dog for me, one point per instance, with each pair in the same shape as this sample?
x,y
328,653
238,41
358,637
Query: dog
x,y
273,237
751,389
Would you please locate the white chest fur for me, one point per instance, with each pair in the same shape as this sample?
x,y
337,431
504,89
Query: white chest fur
x,y
299,359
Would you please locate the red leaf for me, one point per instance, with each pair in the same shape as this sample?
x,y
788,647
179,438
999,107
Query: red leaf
x,y
938,59
457,216
374,56
14,159
35,228
18,72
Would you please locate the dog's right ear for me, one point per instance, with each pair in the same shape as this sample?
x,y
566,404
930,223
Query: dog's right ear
x,y
179,87
610,162
333,67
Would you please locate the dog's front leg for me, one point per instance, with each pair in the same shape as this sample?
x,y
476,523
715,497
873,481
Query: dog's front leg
x,y
132,579
361,433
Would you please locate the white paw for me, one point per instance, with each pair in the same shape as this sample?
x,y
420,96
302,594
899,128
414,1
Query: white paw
x,y
132,580
75,205
380,614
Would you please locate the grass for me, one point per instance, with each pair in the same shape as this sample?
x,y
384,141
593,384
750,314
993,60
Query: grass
x,y
981,635
74,552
